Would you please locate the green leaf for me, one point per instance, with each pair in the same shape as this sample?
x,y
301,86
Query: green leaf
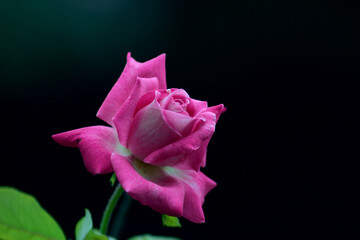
x,y
112,179
84,229
151,237
170,221
96,235
22,217
84,225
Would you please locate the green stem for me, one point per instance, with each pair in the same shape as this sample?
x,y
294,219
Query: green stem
x,y
118,221
104,225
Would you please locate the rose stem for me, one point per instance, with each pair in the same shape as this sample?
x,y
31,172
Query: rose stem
x,y
118,221
104,225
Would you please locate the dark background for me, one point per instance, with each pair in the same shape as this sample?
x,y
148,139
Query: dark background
x,y
283,154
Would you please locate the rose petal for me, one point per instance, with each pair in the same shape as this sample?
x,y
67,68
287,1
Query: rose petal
x,y
196,186
146,99
96,145
173,95
181,123
149,185
149,131
195,107
167,156
201,152
123,118
122,88
218,110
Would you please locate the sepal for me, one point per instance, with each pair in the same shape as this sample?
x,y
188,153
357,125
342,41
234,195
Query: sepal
x,y
170,221
84,229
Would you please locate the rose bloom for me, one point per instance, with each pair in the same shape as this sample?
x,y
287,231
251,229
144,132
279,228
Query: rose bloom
x,y
156,142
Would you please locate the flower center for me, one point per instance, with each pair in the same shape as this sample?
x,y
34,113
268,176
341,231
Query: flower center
x,y
179,105
180,101
147,171
154,173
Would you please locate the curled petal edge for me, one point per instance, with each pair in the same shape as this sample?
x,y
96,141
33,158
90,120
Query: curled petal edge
x,y
149,185
96,144
123,118
120,91
171,154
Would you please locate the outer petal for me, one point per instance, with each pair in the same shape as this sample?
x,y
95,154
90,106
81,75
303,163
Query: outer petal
x,y
218,110
196,185
149,131
196,106
195,196
96,145
150,185
124,116
122,88
201,152
171,154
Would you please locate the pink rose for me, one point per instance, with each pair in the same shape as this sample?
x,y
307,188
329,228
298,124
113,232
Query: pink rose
x,y
156,143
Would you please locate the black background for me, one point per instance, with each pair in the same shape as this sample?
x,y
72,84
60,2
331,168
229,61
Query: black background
x,y
283,154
